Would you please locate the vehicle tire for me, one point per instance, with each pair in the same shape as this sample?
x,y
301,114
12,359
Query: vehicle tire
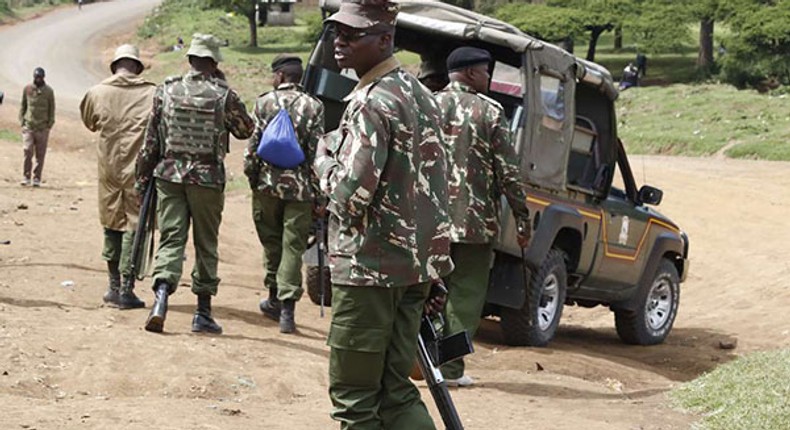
x,y
536,322
313,287
651,322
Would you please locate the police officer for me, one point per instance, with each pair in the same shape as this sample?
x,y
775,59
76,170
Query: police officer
x,y
483,166
118,109
384,170
36,116
283,199
184,151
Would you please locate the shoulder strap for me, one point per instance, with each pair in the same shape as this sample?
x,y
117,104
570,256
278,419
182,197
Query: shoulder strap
x,y
277,102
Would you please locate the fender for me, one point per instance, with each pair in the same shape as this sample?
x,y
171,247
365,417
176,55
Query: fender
x,y
507,286
665,242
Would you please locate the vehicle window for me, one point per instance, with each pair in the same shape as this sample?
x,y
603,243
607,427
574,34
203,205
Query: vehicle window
x,y
552,91
507,79
618,183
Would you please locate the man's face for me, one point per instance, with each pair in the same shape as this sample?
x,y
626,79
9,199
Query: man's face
x,y
479,77
359,49
38,80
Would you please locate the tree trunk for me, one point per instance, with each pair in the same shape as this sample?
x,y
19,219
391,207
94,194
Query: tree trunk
x,y
618,37
705,56
251,19
595,33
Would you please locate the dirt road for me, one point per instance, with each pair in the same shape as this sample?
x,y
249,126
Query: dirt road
x,y
68,362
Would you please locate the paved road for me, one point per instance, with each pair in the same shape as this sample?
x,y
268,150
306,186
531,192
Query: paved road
x,y
66,43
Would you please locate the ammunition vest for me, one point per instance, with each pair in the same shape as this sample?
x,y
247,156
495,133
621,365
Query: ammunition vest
x,y
193,117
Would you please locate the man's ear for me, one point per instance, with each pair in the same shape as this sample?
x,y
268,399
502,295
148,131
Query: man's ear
x,y
385,41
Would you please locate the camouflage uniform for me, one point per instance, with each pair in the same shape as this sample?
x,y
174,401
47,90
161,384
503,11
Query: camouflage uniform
x,y
389,236
185,146
282,199
484,164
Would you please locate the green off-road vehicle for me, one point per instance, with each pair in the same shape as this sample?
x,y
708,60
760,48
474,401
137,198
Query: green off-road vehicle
x,y
595,240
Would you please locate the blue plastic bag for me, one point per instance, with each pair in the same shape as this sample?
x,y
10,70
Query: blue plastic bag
x,y
278,145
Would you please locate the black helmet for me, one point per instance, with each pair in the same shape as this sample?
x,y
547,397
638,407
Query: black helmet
x,y
39,72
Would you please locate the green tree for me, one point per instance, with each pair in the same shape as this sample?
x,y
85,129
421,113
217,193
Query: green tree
x,y
246,8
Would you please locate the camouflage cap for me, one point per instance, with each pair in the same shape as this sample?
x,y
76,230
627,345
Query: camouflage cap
x,y
365,13
126,51
205,45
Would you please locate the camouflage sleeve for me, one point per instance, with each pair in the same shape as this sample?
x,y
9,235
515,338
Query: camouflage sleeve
x,y
506,167
237,121
252,164
351,184
315,133
150,152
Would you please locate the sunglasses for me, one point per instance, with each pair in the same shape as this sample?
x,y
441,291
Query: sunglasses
x,y
349,35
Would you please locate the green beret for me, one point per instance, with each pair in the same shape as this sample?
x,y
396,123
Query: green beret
x,y
467,56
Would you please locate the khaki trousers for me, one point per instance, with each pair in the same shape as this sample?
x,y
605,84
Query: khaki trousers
x,y
34,143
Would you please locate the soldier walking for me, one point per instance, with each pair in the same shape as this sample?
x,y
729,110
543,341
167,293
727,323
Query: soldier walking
x,y
283,199
184,151
118,109
483,165
36,116
384,170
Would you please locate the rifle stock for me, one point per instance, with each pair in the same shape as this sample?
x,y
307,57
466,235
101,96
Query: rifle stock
x,y
145,227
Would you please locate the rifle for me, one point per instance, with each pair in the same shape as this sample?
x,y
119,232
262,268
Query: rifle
x,y
432,352
144,235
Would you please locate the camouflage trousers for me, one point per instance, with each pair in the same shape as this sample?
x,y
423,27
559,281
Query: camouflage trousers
x,y
118,247
373,340
178,205
283,227
467,286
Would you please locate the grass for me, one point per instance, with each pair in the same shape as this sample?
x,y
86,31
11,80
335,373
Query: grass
x,y
9,14
702,119
749,393
10,136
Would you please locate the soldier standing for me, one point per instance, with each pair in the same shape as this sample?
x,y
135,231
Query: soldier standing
x,y
118,109
384,170
184,151
283,199
483,165
37,116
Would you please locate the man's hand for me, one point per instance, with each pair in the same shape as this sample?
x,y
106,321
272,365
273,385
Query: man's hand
x,y
437,298
319,209
524,234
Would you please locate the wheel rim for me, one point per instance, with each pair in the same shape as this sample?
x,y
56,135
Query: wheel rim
x,y
547,307
659,304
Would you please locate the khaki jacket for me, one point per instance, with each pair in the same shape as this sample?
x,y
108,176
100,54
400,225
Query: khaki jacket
x,y
118,109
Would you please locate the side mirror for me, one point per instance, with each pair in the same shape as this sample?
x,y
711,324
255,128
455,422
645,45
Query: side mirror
x,y
650,196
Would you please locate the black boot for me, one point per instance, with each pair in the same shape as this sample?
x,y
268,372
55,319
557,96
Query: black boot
x,y
112,297
287,323
271,306
202,322
156,319
128,299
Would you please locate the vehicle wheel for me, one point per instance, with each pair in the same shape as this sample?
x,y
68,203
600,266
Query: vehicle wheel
x,y
658,305
536,323
313,287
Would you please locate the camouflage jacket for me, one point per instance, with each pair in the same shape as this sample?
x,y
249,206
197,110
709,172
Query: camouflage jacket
x,y
307,114
37,108
196,169
385,176
484,163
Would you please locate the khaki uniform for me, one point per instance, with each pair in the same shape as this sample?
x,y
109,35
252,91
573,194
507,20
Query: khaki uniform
x,y
118,109
36,116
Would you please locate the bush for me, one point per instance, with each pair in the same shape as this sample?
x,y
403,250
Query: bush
x,y
315,24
